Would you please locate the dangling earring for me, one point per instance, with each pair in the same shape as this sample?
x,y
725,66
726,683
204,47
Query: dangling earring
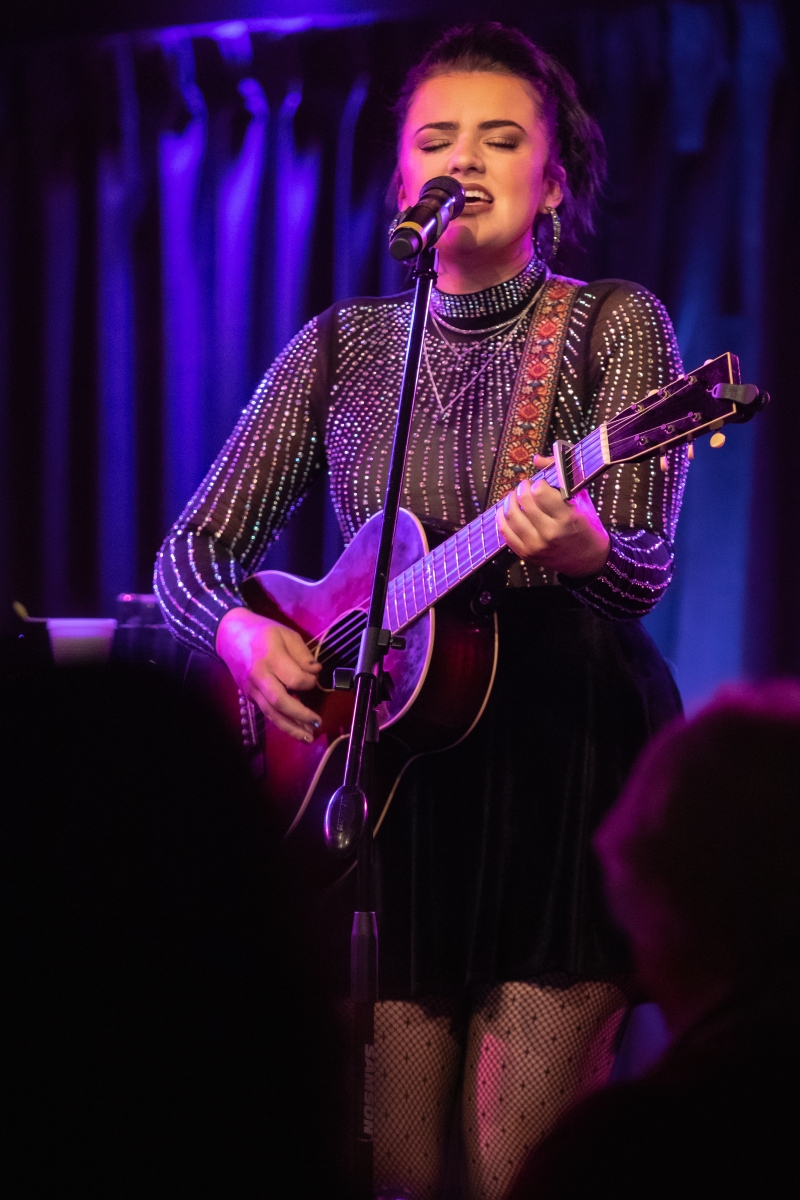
x,y
548,233
556,220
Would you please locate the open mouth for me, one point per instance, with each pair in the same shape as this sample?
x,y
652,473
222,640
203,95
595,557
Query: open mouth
x,y
477,197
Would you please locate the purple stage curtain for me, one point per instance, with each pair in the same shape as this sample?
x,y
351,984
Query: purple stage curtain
x,y
174,207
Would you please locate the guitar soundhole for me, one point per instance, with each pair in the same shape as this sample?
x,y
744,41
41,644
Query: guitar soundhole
x,y
340,645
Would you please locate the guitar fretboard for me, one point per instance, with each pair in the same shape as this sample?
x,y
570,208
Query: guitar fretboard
x,y
438,572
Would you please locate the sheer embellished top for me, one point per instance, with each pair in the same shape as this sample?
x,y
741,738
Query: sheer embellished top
x,y
328,402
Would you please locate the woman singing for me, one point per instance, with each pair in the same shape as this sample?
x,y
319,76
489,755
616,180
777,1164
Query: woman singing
x,y
500,969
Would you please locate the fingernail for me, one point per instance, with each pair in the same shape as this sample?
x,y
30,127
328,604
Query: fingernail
x,y
316,724
309,738
507,504
519,489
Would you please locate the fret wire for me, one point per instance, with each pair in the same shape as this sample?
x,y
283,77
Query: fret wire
x,y
409,611
447,568
400,614
437,561
401,594
401,603
451,565
398,591
488,526
449,553
495,533
466,556
430,580
415,569
462,559
411,579
391,599
472,528
476,543
391,593
422,584
458,557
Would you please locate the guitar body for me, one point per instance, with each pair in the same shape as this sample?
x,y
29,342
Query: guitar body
x,y
439,684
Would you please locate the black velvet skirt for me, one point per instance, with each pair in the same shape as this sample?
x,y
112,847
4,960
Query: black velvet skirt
x,y
485,867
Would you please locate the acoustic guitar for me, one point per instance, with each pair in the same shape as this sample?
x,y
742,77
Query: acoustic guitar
x,y
441,597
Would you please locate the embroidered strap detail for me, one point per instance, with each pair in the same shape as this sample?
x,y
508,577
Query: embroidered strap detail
x,y
531,408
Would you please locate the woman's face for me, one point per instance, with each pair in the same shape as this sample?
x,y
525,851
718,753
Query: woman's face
x,y
485,130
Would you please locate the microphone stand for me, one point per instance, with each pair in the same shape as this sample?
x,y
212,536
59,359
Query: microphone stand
x,y
349,814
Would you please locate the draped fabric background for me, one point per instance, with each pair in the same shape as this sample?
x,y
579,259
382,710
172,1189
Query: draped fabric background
x,y
174,207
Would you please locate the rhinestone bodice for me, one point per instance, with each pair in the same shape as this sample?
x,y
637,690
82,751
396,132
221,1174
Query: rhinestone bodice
x,y
329,400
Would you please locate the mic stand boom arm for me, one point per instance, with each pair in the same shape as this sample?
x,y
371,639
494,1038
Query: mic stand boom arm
x,y
349,815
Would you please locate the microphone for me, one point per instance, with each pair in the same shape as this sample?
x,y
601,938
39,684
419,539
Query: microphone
x,y
440,201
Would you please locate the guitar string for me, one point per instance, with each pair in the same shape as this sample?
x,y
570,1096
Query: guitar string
x,y
344,637
636,415
343,627
330,650
464,534
336,647
452,572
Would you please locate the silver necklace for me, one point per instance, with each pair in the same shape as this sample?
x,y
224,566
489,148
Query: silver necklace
x,y
476,333
495,353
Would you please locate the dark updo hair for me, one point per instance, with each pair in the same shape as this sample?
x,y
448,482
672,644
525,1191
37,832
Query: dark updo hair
x,y
576,143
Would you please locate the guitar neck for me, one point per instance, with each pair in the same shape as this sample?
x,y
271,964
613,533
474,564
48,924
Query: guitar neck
x,y
430,578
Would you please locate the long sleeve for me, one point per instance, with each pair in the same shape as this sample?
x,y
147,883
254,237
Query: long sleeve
x,y
262,473
622,347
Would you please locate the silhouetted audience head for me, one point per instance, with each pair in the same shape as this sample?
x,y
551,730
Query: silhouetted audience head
x,y
701,858
164,1032
701,852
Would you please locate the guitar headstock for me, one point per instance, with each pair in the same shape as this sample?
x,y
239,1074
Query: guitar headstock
x,y
700,402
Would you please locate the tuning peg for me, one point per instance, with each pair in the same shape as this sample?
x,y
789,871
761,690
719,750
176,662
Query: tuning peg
x,y
717,440
663,464
690,450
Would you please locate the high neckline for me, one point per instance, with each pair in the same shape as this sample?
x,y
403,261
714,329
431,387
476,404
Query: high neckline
x,y
474,309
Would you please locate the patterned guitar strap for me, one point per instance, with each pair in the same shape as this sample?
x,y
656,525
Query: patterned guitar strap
x,y
531,409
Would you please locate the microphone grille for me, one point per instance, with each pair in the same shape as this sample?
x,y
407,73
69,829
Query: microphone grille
x,y
446,183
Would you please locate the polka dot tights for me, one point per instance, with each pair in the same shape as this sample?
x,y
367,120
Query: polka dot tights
x,y
529,1051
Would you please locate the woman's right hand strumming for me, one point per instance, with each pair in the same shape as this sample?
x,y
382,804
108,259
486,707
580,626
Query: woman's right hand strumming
x,y
267,660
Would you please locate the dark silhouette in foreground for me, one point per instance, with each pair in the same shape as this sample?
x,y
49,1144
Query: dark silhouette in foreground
x,y
163,1033
701,858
